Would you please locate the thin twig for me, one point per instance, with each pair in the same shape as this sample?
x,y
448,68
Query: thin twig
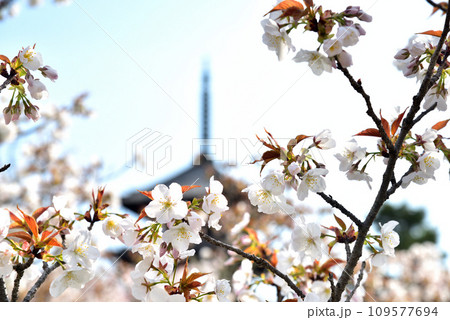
x,y
358,281
337,205
40,281
3,294
397,185
20,269
259,261
357,86
424,113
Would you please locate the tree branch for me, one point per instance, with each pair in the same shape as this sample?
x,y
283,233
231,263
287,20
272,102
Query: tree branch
x,y
337,205
359,88
20,269
5,167
437,5
259,261
40,281
3,294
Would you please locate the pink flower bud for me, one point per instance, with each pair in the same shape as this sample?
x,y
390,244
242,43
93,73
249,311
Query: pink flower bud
x,y
352,10
36,88
49,72
402,54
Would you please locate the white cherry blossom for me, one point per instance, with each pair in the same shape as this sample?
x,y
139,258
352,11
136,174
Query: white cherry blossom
x,y
276,39
352,153
30,58
312,180
71,278
180,236
316,61
306,238
167,203
222,290
389,238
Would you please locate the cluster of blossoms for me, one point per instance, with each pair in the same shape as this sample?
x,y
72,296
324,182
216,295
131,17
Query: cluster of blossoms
x,y
164,240
20,72
335,31
54,235
414,61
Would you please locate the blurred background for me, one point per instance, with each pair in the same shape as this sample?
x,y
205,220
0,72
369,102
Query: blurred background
x,y
141,84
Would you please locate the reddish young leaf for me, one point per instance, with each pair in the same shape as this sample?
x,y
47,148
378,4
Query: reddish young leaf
x,y
440,125
4,58
37,213
436,33
54,243
293,142
340,222
397,122
287,5
187,188
141,215
21,235
31,223
329,263
385,125
371,132
147,194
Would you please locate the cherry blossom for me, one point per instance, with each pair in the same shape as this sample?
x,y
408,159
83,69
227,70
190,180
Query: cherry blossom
x,y
36,88
214,201
49,72
167,203
427,139
389,238
438,96
159,294
222,290
428,163
324,141
30,58
180,236
276,39
352,153
274,182
312,180
358,175
332,47
348,36
316,61
306,238
79,250
418,177
72,278
266,201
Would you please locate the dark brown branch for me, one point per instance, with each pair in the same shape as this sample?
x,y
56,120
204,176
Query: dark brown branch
x,y
332,286
424,113
337,205
437,5
5,167
20,269
3,294
357,86
40,281
259,261
358,281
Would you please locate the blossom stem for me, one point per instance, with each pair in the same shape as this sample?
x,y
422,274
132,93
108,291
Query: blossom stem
x,y
259,261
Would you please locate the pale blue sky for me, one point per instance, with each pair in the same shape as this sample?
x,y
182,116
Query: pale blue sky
x,y
141,62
